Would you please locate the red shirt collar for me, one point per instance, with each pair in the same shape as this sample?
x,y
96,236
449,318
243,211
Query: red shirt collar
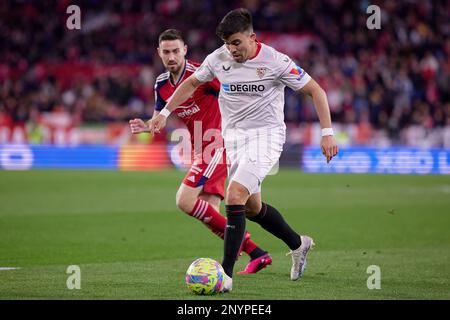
x,y
258,49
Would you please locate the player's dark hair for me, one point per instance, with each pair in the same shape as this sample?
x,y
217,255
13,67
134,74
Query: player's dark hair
x,y
171,34
238,20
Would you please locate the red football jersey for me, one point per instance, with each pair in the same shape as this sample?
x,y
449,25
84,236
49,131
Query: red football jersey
x,y
202,109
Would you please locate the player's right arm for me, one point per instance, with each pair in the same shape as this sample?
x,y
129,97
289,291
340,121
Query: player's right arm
x,y
181,94
139,126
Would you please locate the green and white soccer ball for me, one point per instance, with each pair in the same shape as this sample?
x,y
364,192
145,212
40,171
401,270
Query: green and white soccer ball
x,y
205,276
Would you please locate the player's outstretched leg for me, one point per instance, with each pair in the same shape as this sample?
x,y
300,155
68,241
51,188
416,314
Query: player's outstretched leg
x,y
234,236
271,220
216,222
189,202
237,196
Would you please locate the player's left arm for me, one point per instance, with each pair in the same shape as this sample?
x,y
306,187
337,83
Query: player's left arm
x,y
328,142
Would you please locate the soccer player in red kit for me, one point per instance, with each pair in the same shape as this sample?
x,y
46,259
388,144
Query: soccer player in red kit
x,y
203,187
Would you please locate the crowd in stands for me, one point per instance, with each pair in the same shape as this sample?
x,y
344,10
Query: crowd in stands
x,y
388,79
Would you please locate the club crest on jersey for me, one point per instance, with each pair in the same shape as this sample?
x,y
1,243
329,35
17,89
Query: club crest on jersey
x,y
260,72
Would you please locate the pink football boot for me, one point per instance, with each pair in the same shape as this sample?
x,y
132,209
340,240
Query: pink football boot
x,y
255,265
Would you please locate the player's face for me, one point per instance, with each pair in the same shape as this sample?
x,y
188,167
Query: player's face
x,y
172,53
241,45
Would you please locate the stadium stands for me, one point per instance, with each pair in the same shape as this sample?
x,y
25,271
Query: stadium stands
x,y
385,87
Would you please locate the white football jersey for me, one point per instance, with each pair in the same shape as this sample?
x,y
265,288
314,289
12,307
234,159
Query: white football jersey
x,y
252,93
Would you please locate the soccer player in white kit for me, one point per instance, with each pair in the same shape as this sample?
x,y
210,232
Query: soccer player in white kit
x,y
251,100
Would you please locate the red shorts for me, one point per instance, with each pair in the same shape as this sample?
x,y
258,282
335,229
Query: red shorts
x,y
211,176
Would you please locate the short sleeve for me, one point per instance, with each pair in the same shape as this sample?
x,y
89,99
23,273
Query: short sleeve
x,y
205,72
291,74
159,101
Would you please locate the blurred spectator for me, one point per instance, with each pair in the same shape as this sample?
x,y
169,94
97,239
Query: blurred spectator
x,y
395,80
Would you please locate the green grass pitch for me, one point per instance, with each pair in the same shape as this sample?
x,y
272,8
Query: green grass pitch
x,y
125,233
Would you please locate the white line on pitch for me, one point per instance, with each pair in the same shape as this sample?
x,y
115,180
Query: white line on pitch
x,y
9,268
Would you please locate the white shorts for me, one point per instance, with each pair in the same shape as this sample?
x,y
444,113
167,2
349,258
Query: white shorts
x,y
253,154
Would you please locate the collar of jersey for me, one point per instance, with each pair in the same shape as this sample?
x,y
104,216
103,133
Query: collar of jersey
x,y
258,49
181,77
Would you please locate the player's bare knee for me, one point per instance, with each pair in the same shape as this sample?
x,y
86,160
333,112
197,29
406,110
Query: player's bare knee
x,y
252,208
250,212
236,195
184,202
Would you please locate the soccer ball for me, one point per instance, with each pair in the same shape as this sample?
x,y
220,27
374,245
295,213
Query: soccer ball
x,y
204,276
